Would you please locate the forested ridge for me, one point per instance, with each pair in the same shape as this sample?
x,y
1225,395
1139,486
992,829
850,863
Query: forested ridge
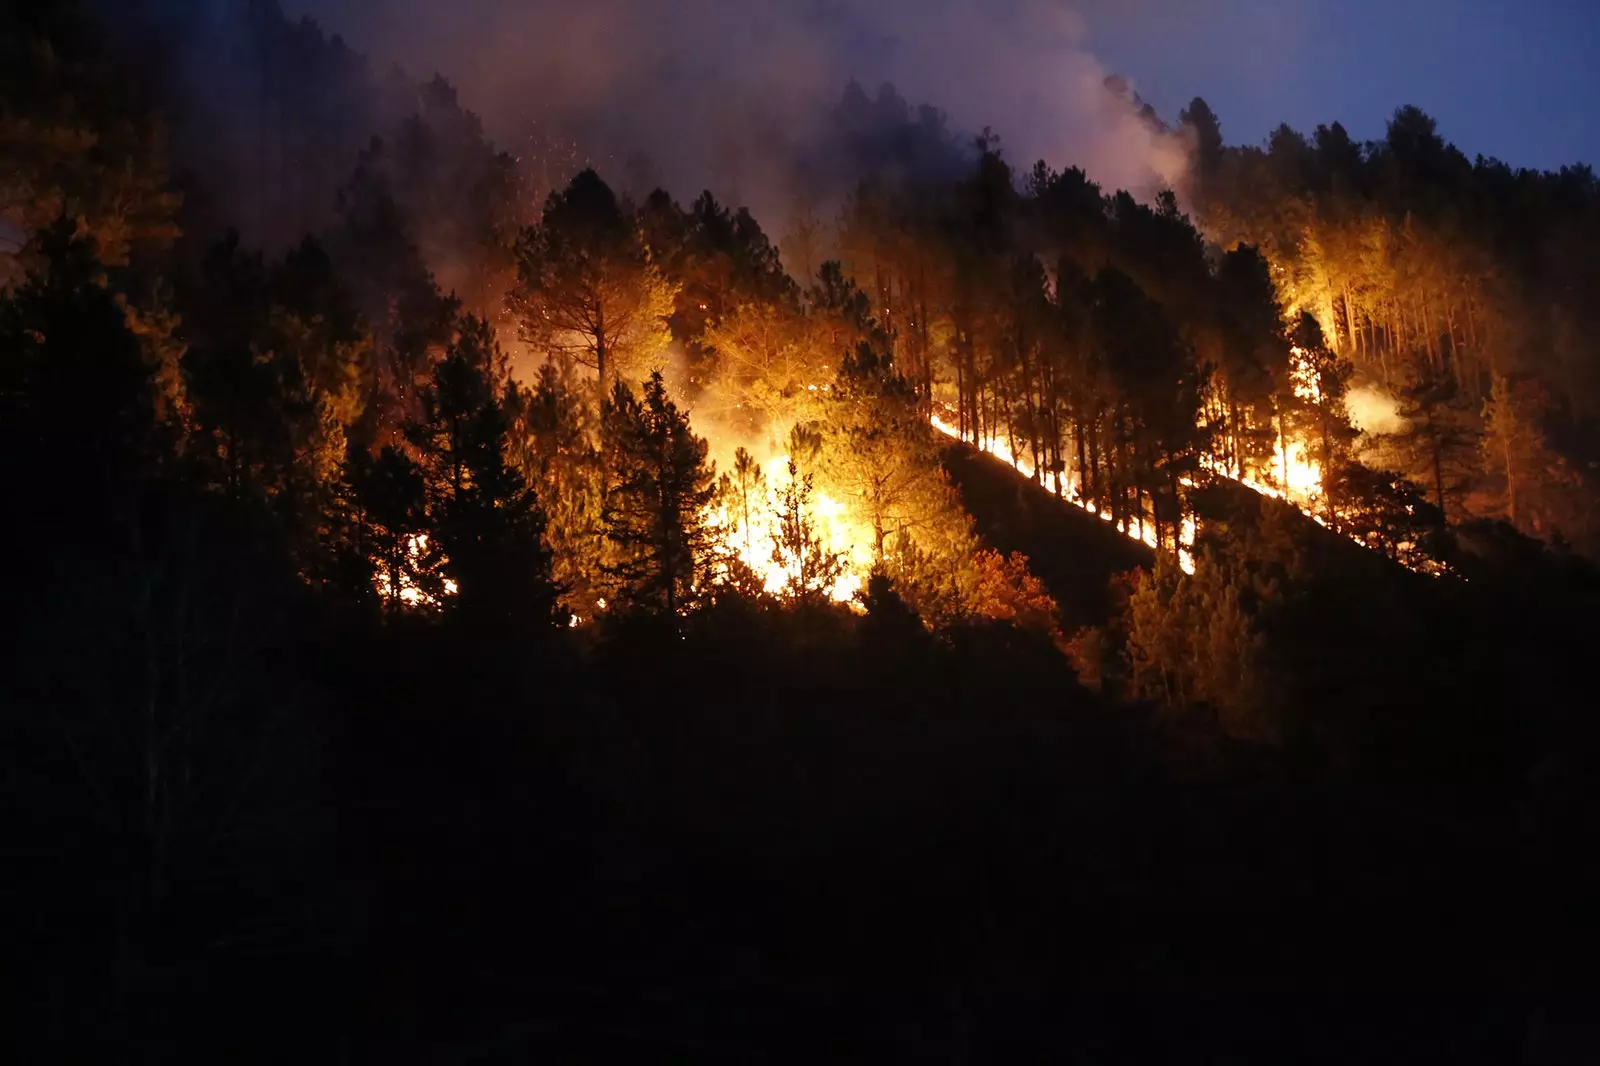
x,y
469,604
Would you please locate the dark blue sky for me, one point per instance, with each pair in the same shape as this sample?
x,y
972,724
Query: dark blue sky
x,y
1517,80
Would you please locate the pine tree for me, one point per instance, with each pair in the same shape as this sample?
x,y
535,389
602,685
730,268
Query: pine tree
x,y
1191,641
1387,513
1443,438
1321,381
587,287
346,564
1006,591
393,499
555,443
1254,360
1160,637
485,515
656,512
797,548
878,452
1513,447
748,493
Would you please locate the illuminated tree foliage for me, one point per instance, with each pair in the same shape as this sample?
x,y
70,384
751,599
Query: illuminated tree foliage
x,y
1006,591
1191,643
1515,454
77,143
588,289
771,366
720,262
747,492
555,443
1432,274
879,453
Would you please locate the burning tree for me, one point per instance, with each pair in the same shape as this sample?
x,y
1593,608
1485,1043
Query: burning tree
x,y
810,569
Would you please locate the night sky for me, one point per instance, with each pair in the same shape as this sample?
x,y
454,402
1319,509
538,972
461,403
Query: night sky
x,y
1517,79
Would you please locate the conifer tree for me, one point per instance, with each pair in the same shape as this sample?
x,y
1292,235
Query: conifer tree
x,y
1322,379
1513,446
347,562
879,452
587,287
1191,641
555,443
656,511
1443,439
748,493
485,516
392,497
797,547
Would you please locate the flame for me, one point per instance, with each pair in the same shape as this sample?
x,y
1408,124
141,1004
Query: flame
x,y
1139,529
839,529
410,594
1293,474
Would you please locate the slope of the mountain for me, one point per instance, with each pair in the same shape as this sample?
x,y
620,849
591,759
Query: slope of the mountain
x,y
1074,553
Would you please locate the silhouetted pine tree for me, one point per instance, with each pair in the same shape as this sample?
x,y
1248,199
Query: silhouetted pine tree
x,y
485,516
661,485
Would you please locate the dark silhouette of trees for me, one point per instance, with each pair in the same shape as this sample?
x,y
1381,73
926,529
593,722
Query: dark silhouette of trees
x,y
659,486
485,516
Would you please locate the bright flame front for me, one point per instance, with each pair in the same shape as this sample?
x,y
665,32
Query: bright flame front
x,y
752,529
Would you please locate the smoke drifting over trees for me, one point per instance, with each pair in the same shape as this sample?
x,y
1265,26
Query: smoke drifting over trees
x,y
729,94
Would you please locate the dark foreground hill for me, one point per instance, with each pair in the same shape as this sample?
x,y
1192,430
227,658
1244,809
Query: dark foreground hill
x,y
790,836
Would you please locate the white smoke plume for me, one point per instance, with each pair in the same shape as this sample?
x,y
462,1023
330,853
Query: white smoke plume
x,y
1373,410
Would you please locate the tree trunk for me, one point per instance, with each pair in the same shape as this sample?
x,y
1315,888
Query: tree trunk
x,y
1438,466
1511,479
1083,468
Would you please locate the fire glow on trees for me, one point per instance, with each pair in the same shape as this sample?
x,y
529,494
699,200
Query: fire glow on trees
x,y
750,520
1294,474
1066,489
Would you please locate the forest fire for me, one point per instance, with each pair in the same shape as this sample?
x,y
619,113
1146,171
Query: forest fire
x,y
401,582
752,518
1138,530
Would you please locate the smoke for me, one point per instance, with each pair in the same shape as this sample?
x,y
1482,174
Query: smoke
x,y
1373,410
725,94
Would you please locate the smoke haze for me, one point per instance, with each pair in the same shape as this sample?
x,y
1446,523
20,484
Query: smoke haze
x,y
714,93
